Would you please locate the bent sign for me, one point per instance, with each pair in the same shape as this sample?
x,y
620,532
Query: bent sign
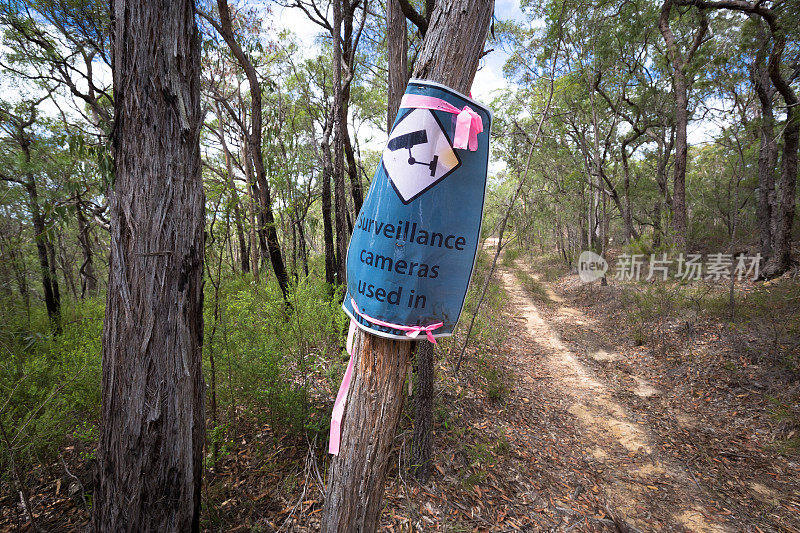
x,y
414,245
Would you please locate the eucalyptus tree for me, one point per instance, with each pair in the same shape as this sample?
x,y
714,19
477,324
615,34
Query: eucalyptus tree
x,y
345,24
682,54
65,45
254,134
452,48
21,155
153,424
781,18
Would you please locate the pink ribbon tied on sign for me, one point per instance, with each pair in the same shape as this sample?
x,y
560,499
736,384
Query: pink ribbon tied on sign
x,y
341,397
411,331
468,123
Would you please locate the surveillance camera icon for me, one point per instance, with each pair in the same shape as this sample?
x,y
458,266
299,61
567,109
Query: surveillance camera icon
x,y
408,141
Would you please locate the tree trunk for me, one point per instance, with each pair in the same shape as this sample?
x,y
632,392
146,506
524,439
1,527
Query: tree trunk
x,y
680,85
87,272
152,427
252,193
422,442
782,255
52,295
66,265
327,207
267,219
782,245
451,50
237,214
374,402
679,170
397,44
627,214
351,37
454,43
352,171
339,118
768,150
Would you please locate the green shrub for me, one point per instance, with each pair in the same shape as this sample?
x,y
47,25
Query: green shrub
x,y
271,354
50,384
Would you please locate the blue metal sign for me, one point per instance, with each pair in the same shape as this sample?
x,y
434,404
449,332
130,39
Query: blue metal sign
x,y
414,245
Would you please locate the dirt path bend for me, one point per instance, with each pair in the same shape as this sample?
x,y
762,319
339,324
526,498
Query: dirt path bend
x,y
640,479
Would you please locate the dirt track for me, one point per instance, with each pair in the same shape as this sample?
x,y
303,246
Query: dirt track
x,y
639,477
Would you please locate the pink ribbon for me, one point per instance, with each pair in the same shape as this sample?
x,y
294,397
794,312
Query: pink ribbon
x,y
341,397
411,331
468,123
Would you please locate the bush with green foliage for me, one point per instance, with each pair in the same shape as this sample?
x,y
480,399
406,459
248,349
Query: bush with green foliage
x,y
272,356
50,384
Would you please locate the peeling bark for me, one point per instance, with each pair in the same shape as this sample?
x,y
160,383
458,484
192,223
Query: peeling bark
x,y
152,427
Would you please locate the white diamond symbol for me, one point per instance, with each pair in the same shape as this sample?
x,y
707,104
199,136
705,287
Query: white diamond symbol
x,y
418,154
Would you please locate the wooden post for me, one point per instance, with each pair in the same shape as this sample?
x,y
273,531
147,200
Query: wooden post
x,y
452,48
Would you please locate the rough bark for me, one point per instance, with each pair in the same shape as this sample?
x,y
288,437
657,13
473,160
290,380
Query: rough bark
x,y
768,150
397,45
422,441
782,257
454,43
152,426
451,50
340,117
680,84
374,402
782,250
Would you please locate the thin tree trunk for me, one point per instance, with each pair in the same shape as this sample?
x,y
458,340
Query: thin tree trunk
x,y
237,214
87,272
17,264
267,220
66,266
340,118
451,50
331,276
52,295
627,215
680,85
352,171
251,212
152,426
422,441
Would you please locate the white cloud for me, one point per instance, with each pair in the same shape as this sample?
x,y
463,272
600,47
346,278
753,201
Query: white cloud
x,y
305,31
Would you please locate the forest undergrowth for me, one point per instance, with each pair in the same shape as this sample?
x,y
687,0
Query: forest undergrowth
x,y
508,455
